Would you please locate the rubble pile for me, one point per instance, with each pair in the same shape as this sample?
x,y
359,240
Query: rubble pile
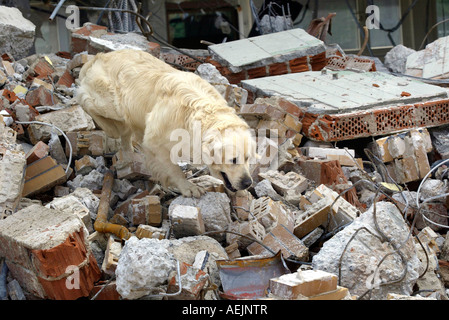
x,y
320,222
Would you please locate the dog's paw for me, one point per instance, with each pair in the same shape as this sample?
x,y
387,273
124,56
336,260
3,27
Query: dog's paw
x,y
190,190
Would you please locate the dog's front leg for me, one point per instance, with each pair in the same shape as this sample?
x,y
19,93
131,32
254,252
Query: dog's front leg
x,y
170,174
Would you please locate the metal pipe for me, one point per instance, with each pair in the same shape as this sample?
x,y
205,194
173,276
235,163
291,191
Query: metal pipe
x,y
101,223
55,11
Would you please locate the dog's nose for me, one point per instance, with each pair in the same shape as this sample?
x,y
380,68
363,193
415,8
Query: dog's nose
x,y
246,183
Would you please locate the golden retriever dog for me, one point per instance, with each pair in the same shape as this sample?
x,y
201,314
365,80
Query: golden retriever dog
x,y
134,96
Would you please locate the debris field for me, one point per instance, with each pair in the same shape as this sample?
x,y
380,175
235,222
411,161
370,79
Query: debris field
x,y
352,204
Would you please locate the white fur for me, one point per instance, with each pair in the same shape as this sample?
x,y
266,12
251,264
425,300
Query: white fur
x,y
132,95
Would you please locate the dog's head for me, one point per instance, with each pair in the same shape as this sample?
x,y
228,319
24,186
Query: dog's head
x,y
228,155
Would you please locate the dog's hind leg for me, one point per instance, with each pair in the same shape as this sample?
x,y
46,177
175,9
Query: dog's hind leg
x,y
115,129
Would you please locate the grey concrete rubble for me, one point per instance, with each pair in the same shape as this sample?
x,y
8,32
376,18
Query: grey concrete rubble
x,y
341,219
16,32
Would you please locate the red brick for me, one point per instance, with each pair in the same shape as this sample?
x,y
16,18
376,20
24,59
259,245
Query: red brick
x,y
66,79
39,151
257,72
40,97
278,69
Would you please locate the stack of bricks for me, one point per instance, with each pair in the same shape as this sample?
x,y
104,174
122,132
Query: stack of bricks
x,y
405,154
48,252
307,285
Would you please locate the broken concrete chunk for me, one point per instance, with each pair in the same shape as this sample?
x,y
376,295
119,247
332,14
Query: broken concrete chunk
x,y
68,119
214,207
12,170
143,265
146,231
280,238
111,256
209,183
186,221
71,204
271,213
290,185
265,189
92,181
17,33
396,58
361,254
41,245
303,283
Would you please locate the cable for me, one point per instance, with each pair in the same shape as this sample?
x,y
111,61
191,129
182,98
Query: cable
x,y
359,26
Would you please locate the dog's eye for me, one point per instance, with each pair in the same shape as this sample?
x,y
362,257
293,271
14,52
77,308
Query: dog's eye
x,y
234,161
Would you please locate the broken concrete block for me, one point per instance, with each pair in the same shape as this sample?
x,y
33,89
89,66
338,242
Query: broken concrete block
x,y
303,283
270,213
214,207
56,149
43,247
343,212
251,229
89,199
111,256
361,256
12,169
315,215
146,231
85,165
123,188
280,238
67,119
396,58
265,189
186,221
193,281
143,265
92,181
42,175
131,166
17,33
146,210
209,183
71,204
38,83
241,203
290,185
7,66
94,143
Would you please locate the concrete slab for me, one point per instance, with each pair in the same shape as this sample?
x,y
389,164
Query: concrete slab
x,y
343,105
266,49
344,91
